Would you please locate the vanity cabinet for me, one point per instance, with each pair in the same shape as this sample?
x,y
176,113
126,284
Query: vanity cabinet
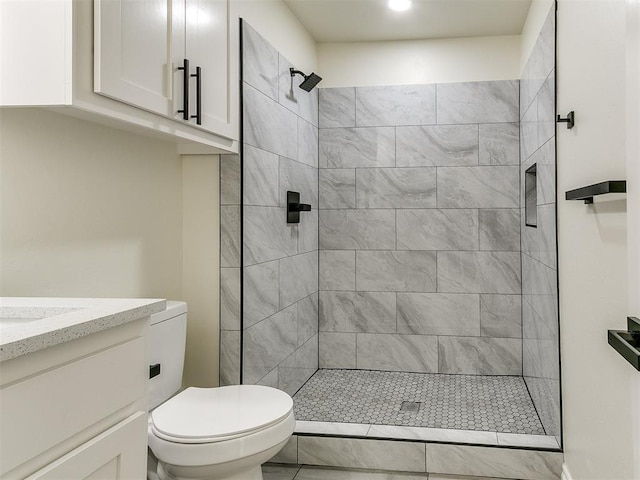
x,y
168,57
77,410
117,62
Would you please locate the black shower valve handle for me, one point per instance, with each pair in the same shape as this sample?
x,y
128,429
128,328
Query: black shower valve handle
x,y
294,207
299,207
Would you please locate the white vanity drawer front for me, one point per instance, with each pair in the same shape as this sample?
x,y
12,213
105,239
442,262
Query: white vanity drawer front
x,y
120,453
50,407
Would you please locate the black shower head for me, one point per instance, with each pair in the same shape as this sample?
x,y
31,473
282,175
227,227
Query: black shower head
x,y
310,81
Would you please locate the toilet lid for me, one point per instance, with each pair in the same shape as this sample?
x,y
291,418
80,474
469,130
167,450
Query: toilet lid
x,y
201,415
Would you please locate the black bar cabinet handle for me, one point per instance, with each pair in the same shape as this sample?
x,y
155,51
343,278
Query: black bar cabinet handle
x,y
198,115
185,89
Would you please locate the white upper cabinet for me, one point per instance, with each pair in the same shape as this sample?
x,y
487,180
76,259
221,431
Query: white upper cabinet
x,y
207,47
119,62
170,57
133,53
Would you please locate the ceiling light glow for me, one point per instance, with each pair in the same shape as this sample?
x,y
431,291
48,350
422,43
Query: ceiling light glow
x,y
399,5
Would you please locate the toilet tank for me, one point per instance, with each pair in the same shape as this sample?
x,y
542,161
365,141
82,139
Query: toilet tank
x,y
167,338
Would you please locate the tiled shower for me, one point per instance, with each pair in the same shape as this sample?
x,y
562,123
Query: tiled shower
x,y
415,265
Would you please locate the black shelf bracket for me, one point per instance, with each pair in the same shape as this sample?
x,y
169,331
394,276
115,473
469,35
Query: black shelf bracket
x,y
627,343
602,188
570,120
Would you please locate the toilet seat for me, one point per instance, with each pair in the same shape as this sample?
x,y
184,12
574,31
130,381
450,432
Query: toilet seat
x,y
205,426
210,415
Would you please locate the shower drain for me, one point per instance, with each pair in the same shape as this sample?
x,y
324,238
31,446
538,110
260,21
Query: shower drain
x,y
410,406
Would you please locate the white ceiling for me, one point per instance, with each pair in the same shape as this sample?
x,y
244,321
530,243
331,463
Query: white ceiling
x,y
372,20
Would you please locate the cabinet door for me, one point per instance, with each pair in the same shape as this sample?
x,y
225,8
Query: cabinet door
x,y
208,46
132,57
120,453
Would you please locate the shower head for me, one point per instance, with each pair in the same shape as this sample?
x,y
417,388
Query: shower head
x,y
310,81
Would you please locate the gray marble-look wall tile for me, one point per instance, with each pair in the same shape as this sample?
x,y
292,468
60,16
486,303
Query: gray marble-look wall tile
x,y
545,394
260,293
289,453
357,229
308,232
396,188
337,270
319,473
289,92
266,235
337,107
229,235
230,299
349,312
479,272
540,357
538,278
337,350
546,183
358,453
307,318
500,144
500,229
296,369
268,380
357,147
480,355
259,62
501,316
529,142
478,102
268,125
546,99
448,435
531,441
438,314
229,180
308,106
404,353
396,105
337,188
301,102
269,342
298,277
260,177
279,472
298,177
229,358
441,145
396,271
307,143
478,187
494,462
450,229
547,252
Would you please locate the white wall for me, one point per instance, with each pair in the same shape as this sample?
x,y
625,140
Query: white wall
x,y
633,195
597,382
538,12
87,210
201,263
419,61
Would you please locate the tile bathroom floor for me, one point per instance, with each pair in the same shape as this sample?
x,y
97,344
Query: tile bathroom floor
x,y
297,472
371,403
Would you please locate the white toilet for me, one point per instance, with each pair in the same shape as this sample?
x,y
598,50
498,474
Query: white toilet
x,y
223,433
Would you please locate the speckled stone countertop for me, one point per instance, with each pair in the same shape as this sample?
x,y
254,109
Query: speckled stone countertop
x,y
29,324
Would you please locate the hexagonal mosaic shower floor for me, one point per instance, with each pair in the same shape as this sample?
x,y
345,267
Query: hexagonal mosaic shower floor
x,y
462,402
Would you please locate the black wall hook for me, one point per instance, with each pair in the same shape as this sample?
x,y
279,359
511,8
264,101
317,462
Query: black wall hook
x,y
570,120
